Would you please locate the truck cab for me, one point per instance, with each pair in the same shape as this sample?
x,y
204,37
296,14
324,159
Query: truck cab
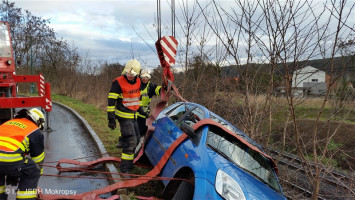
x,y
7,70
9,80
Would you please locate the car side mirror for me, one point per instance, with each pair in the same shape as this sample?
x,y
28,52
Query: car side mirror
x,y
188,130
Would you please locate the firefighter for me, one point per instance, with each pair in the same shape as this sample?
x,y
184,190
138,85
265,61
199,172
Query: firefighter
x,y
123,105
22,153
147,90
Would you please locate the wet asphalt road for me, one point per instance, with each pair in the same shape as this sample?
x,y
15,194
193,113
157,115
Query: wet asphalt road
x,y
68,139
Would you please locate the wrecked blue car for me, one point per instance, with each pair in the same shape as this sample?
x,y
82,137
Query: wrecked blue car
x,y
216,163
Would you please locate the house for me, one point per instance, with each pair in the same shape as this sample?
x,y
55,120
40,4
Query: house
x,y
309,81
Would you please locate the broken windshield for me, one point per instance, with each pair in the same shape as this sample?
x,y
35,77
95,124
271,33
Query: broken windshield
x,y
243,156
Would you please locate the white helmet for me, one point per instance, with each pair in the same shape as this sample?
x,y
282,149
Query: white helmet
x,y
145,74
38,117
132,67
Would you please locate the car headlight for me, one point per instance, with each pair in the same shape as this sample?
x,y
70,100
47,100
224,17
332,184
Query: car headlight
x,y
227,187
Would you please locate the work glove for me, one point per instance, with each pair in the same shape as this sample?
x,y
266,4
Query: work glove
x,y
112,123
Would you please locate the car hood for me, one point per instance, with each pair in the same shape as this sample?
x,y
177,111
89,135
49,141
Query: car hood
x,y
251,186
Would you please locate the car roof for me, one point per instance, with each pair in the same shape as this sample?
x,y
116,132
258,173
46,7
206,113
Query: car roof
x,y
210,114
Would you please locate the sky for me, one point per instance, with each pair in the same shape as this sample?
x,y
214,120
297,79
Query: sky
x,y
105,30
119,30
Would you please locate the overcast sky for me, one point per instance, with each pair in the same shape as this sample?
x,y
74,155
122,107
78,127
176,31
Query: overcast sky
x,y
107,30
118,30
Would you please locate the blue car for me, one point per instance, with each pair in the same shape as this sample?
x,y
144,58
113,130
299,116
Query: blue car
x,y
215,163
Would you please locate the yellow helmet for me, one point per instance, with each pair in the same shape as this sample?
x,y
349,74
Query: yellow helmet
x,y
38,117
132,67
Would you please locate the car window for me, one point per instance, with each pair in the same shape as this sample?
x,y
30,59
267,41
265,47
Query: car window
x,y
194,116
240,154
176,113
189,114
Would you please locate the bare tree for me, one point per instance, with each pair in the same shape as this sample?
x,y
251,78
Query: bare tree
x,y
284,35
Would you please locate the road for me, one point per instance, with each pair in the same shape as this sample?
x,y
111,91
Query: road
x,y
69,139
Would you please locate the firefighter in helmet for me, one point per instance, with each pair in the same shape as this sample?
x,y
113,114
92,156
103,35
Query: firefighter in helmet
x,y
123,105
147,90
22,153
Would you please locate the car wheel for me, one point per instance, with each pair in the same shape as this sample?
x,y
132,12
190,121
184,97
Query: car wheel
x,y
185,191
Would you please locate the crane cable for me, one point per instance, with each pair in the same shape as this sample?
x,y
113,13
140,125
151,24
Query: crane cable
x,y
172,18
159,19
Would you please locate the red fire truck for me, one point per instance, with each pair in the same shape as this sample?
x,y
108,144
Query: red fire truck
x,y
9,80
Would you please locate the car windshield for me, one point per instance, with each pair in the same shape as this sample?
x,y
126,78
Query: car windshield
x,y
240,154
225,124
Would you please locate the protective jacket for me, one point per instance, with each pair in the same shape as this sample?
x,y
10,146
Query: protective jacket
x,y
16,138
124,98
148,90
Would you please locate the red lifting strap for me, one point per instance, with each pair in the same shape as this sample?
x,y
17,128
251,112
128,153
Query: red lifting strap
x,y
155,171
124,184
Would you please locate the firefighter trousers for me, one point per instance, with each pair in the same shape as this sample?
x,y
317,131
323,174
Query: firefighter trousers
x,y
28,175
129,137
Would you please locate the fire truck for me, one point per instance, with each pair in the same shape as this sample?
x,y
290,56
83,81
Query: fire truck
x,y
9,100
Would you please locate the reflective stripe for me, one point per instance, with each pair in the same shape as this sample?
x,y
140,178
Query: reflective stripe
x,y
38,158
110,108
28,194
141,116
132,104
9,146
26,143
13,141
130,93
2,189
127,156
113,95
157,90
10,157
131,99
125,115
41,171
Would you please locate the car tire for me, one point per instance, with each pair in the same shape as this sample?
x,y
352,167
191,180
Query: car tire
x,y
185,191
